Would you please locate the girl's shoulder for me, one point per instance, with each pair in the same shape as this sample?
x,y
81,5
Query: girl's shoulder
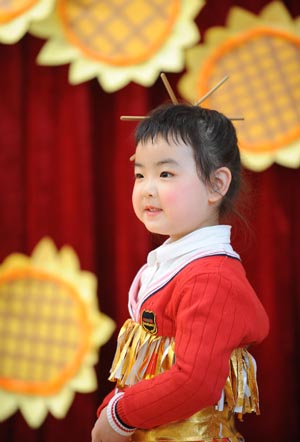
x,y
221,264
222,270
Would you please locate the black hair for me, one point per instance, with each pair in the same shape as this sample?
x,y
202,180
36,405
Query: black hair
x,y
211,135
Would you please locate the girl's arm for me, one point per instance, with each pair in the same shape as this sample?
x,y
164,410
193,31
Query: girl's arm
x,y
103,431
105,401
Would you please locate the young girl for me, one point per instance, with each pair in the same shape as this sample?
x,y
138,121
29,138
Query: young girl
x,y
182,368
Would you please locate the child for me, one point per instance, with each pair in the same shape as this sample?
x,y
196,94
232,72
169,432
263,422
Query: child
x,y
182,369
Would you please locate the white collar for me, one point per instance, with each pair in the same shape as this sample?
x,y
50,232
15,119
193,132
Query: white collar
x,y
205,239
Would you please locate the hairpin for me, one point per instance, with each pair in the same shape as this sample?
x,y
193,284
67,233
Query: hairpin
x,y
175,101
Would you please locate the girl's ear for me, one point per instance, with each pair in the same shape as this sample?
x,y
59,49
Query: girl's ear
x,y
220,183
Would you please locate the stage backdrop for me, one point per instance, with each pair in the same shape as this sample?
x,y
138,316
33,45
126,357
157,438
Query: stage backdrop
x,y
65,173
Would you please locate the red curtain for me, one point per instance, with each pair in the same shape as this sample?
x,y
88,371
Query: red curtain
x,y
64,172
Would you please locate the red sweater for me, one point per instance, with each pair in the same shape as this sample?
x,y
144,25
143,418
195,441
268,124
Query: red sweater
x,y
211,309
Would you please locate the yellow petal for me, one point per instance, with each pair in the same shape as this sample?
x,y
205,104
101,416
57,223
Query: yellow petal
x,y
8,405
34,410
60,403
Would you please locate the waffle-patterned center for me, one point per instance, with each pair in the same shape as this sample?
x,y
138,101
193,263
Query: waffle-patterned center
x,y
118,32
265,89
43,330
12,8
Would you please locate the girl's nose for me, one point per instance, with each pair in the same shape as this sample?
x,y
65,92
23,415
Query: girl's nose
x,y
149,188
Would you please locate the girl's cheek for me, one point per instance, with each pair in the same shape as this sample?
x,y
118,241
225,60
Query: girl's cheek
x,y
169,196
135,191
136,209
134,198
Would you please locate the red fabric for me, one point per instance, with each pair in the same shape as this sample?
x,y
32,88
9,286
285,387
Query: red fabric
x,y
64,172
210,309
105,402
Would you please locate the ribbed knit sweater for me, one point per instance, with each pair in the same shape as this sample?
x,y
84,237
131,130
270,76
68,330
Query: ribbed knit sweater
x,y
210,309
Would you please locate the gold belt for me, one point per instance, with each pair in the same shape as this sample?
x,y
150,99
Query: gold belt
x,y
207,425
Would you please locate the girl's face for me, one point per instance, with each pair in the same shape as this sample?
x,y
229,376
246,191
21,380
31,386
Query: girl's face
x,y
168,195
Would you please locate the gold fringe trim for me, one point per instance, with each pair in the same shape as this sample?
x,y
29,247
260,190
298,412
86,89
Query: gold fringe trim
x,y
241,390
141,355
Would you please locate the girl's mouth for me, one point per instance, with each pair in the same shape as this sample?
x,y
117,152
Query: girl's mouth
x,y
152,210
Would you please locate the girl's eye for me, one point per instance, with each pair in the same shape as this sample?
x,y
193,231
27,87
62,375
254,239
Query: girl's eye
x,y
138,176
166,174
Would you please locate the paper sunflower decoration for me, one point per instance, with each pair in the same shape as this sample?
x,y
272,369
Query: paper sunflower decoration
x,y
261,54
51,330
16,15
118,41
